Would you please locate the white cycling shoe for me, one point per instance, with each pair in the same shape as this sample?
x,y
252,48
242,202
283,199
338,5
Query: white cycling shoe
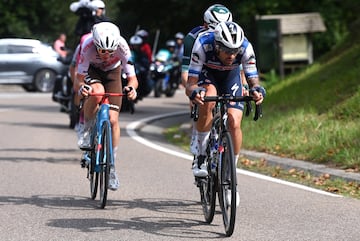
x,y
113,180
84,140
202,170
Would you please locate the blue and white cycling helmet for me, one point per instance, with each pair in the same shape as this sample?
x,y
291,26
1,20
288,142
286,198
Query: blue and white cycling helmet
x,y
106,36
229,36
215,14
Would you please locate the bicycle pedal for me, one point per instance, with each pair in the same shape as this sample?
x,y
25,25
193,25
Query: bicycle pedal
x,y
83,163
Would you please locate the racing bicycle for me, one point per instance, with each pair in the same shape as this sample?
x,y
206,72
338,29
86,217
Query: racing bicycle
x,y
99,157
220,162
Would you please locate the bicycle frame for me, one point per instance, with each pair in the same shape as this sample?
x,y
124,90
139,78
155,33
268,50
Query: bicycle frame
x,y
101,152
220,162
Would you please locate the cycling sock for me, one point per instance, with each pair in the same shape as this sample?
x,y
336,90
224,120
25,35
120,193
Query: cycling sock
x,y
203,138
115,148
236,159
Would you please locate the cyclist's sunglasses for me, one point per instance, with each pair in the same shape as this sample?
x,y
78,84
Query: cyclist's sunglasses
x,y
228,50
104,51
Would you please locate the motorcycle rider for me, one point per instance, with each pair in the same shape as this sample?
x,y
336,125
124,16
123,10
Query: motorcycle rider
x,y
171,45
142,66
145,46
102,57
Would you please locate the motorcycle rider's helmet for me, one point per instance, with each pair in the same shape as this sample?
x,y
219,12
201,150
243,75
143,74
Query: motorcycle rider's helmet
x,y
96,4
170,43
179,35
136,40
106,36
142,33
228,35
215,14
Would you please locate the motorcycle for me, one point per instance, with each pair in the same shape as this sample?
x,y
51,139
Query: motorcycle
x,y
63,92
165,74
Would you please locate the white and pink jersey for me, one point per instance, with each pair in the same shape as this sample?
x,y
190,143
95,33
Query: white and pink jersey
x,y
89,56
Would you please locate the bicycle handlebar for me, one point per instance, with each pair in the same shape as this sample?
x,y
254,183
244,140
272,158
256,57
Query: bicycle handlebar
x,y
225,99
104,95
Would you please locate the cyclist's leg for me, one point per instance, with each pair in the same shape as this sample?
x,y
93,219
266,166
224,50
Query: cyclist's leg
x,y
203,126
233,85
114,85
90,106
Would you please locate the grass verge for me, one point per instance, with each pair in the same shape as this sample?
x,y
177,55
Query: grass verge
x,y
181,138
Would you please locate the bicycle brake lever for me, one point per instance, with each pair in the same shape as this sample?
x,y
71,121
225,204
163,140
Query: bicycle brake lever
x,y
258,112
81,104
194,112
248,108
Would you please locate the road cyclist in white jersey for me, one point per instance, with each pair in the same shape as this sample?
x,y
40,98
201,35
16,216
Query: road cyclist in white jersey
x,y
102,58
214,70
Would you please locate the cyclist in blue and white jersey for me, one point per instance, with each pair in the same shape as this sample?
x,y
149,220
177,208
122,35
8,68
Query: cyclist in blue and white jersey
x,y
212,16
214,70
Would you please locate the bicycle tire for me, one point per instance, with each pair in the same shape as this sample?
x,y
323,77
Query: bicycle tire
x,y
93,176
104,163
227,182
207,188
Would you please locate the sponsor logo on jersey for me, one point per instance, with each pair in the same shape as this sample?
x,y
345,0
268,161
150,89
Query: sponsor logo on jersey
x,y
195,57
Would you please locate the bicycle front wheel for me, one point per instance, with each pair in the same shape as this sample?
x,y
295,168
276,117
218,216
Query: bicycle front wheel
x,y
105,161
227,179
208,194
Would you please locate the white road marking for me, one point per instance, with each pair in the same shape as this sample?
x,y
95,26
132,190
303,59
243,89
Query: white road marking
x,y
133,126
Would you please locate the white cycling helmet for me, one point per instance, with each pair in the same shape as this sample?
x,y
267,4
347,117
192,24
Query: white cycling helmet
x,y
179,35
106,35
229,35
215,14
170,43
136,40
96,4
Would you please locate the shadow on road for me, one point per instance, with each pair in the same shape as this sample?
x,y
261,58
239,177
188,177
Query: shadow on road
x,y
169,225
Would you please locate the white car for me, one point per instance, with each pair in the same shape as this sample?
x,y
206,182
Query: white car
x,y
30,63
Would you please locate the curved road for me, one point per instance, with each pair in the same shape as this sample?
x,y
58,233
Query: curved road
x,y
44,194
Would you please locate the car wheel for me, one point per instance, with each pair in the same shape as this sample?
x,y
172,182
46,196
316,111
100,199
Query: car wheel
x,y
44,80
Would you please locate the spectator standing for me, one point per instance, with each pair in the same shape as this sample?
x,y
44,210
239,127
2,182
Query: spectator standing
x,y
59,45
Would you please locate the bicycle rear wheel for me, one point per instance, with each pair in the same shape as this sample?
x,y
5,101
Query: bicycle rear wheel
x,y
227,179
104,163
208,194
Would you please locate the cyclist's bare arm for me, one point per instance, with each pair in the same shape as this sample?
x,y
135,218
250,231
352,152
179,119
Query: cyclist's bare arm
x,y
81,83
130,88
193,91
254,83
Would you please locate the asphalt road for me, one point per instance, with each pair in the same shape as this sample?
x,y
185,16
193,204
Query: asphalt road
x,y
44,194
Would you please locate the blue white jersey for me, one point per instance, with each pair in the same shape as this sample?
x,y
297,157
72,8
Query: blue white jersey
x,y
204,56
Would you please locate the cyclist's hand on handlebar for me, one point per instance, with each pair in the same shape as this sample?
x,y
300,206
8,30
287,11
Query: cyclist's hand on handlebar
x,y
258,93
130,92
84,90
197,95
